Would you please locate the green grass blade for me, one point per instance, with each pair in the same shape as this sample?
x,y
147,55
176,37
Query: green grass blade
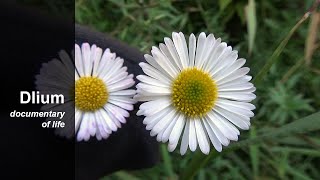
x,y
308,152
278,51
297,174
303,125
241,165
250,10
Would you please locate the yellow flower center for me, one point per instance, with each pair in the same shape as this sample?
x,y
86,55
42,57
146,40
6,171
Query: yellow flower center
x,y
194,92
90,93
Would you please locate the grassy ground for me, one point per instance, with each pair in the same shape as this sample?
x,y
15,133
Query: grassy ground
x,y
288,92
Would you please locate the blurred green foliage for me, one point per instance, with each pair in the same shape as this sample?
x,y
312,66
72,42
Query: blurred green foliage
x,y
285,103
289,91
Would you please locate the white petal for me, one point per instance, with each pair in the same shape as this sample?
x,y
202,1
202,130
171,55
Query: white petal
x,y
238,96
78,60
114,119
185,48
77,120
127,83
213,138
172,147
164,49
119,76
128,92
208,46
152,118
106,62
151,121
240,111
123,99
192,49
153,89
235,75
219,121
173,52
107,119
166,133
153,107
176,132
164,122
152,97
82,133
200,50
212,59
98,134
102,124
239,121
96,57
92,124
164,62
117,111
159,136
229,70
179,44
160,116
123,105
185,138
155,63
202,137
242,80
86,53
115,68
152,81
216,53
192,136
237,87
229,125
221,60
223,140
154,73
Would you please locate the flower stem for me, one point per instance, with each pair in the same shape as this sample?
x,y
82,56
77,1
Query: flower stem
x,y
167,161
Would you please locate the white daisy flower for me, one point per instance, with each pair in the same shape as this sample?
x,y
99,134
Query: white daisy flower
x,y
200,92
95,89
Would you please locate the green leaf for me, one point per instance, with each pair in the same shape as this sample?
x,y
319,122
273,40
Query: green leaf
x,y
223,4
250,11
301,126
